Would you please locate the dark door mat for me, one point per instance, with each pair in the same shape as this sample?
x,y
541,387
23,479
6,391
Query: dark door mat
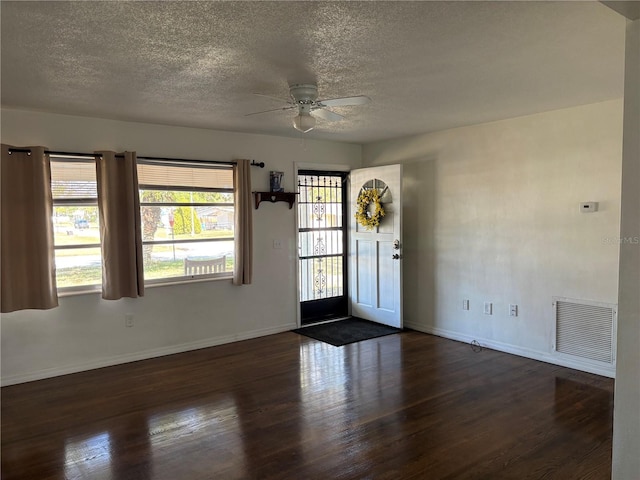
x,y
343,332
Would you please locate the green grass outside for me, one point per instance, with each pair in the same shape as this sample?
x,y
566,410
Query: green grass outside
x,y
92,236
78,276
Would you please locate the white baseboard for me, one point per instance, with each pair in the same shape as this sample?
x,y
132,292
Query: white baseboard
x,y
144,355
563,361
577,364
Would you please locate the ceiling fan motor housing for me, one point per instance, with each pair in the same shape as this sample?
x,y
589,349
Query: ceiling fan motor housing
x,y
303,93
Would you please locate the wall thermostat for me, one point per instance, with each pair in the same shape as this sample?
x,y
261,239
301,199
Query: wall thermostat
x,y
588,207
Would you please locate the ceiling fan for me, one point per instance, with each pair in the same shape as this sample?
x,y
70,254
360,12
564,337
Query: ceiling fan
x,y
304,99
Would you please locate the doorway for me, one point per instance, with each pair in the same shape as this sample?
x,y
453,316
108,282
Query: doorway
x,y
322,243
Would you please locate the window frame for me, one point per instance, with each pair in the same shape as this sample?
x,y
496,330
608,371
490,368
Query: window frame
x,y
63,157
76,202
210,165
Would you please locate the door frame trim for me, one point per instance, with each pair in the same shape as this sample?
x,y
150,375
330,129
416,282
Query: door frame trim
x,y
319,167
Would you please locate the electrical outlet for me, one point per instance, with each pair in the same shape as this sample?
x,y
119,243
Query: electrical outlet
x,y
488,308
465,304
128,320
513,310
277,244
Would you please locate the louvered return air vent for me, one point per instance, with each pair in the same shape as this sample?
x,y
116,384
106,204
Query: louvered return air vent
x,y
585,329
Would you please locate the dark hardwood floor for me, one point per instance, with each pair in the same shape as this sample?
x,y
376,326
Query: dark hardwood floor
x,y
407,406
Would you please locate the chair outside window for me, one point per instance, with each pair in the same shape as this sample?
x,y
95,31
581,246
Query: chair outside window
x,y
205,267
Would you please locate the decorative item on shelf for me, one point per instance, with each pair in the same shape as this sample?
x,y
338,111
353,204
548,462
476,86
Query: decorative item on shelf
x,y
275,181
273,197
363,216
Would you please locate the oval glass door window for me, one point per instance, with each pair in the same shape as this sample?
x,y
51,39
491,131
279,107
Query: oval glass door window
x,y
383,189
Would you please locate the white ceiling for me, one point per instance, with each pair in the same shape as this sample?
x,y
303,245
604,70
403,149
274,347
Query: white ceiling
x,y
427,66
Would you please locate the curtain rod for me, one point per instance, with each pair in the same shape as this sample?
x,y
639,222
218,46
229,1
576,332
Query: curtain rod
x,y
77,154
51,152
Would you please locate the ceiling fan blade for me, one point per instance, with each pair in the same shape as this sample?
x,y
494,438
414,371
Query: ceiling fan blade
x,y
339,102
281,100
272,110
326,115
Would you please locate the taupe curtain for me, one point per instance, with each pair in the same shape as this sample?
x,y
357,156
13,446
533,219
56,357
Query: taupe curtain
x,y
120,230
27,261
243,265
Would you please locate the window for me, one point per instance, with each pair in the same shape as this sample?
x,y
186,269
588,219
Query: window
x,y
187,215
75,221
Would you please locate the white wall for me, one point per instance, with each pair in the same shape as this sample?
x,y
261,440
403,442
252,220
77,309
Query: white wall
x,y
491,214
86,332
626,412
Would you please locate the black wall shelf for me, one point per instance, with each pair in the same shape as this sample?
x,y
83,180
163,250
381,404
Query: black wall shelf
x,y
273,197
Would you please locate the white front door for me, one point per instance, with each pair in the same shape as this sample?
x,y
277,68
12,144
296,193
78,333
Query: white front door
x,y
375,256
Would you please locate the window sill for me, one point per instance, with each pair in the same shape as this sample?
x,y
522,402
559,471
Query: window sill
x,y
72,292
185,281
153,284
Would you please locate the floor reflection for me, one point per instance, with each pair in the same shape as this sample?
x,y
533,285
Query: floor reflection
x,y
88,457
160,446
208,435
322,371
342,388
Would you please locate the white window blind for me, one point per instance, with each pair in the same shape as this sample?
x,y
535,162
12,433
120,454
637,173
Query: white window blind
x,y
154,175
73,179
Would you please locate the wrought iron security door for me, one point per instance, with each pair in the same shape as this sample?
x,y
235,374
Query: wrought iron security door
x,y
322,245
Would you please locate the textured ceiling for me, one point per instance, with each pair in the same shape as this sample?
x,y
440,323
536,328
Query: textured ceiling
x,y
427,66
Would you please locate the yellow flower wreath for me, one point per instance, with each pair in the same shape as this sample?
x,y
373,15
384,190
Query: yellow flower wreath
x,y
363,217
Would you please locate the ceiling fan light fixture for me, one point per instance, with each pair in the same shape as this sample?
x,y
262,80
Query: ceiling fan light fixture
x,y
304,98
304,123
